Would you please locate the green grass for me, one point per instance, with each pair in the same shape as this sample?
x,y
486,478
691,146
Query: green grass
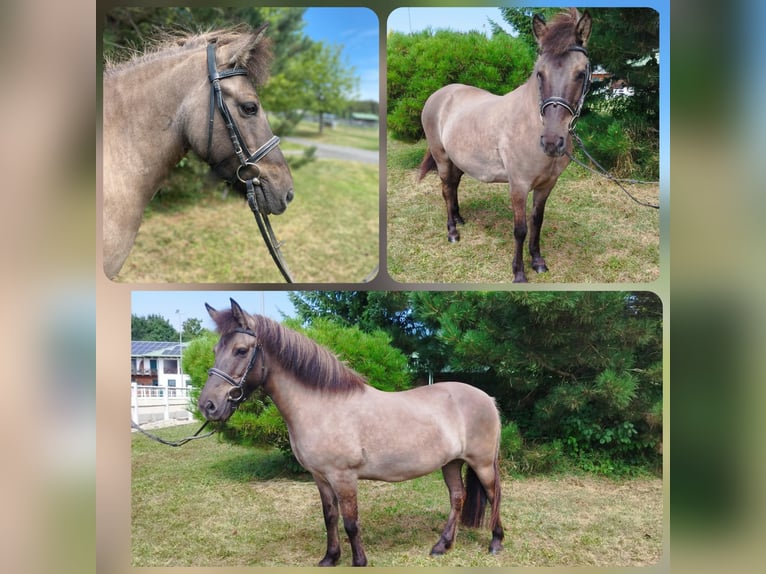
x,y
330,233
593,233
213,504
358,137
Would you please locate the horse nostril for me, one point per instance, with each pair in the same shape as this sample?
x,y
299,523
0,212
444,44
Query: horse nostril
x,y
209,407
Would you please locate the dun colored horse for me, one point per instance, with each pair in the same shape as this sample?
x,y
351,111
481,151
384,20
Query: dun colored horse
x,y
342,429
159,106
523,138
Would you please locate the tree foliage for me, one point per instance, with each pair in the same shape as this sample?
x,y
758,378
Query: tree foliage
x,y
583,368
421,63
153,327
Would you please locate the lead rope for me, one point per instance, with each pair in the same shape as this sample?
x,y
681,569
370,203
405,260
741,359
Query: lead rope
x,y
605,174
179,442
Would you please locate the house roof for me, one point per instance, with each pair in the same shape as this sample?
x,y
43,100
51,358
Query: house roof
x,y
156,348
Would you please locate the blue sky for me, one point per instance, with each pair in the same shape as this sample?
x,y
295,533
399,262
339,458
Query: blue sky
x,y
356,29
408,20
192,304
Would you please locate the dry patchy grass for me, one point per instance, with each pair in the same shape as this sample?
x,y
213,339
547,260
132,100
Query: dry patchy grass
x,y
214,504
593,233
330,234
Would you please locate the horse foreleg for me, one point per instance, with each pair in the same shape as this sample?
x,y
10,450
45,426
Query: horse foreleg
x,y
519,205
452,477
539,198
450,176
330,511
350,512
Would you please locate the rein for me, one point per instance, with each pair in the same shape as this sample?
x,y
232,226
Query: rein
x,y
247,161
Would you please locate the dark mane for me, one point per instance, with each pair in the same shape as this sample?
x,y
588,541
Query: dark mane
x,y
313,365
560,35
167,44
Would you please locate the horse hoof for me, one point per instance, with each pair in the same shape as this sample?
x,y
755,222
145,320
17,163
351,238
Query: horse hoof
x,y
438,552
453,238
540,268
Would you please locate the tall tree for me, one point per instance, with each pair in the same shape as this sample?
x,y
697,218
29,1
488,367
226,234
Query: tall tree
x,y
152,328
388,311
192,328
581,367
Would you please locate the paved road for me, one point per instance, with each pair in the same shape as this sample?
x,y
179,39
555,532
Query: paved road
x,y
329,151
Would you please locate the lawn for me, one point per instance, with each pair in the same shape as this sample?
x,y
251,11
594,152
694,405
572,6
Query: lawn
x,y
330,233
213,504
593,233
358,137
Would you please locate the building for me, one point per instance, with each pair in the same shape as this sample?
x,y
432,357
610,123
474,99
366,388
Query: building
x,y
157,363
159,388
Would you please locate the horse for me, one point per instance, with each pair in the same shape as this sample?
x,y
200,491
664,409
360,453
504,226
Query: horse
x,y
523,138
160,105
342,429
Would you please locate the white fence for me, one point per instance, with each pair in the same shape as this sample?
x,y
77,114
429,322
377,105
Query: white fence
x,y
150,403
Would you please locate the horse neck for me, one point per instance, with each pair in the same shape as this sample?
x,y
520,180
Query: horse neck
x,y
144,115
293,398
288,395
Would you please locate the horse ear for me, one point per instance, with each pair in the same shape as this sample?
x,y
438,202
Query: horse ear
x,y
238,314
539,27
582,31
210,311
251,51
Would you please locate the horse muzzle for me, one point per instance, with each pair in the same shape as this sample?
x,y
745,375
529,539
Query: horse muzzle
x,y
217,405
553,146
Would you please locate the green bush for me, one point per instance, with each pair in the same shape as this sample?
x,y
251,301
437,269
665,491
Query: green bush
x,y
421,63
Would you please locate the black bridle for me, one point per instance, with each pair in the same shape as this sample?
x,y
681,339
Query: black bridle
x,y
248,163
238,394
575,109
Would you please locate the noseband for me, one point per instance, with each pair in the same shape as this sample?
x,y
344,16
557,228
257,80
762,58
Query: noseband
x,y
247,161
574,110
237,394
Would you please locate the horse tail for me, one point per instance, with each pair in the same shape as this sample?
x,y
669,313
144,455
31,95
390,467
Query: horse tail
x,y
428,164
475,502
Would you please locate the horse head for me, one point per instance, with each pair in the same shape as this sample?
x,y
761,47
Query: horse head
x,y
234,123
240,364
563,75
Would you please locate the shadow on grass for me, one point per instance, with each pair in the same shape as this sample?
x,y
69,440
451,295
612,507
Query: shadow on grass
x,y
260,465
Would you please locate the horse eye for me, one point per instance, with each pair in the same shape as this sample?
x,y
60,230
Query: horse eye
x,y
249,108
240,351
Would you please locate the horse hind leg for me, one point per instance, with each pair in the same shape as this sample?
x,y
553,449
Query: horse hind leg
x,y
452,473
450,176
483,485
